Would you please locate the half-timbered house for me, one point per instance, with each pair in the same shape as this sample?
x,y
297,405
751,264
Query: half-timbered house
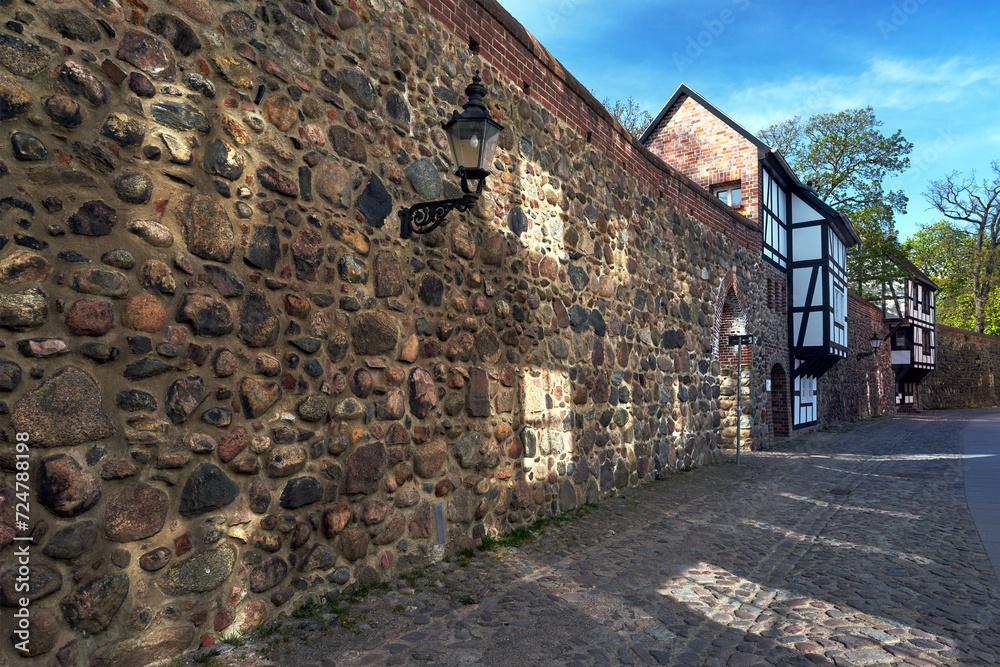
x,y
907,299
804,241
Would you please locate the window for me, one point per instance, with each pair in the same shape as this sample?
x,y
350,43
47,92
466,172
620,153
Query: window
x,y
927,342
900,339
774,220
807,389
927,300
729,195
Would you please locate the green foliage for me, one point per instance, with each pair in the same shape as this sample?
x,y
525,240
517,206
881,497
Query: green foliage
x,y
873,264
516,537
522,533
413,576
265,630
359,593
946,252
973,207
208,658
562,517
846,157
233,639
274,632
467,552
308,609
941,250
787,136
342,611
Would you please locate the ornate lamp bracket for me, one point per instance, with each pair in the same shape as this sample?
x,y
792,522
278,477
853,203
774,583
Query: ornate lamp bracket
x,y
473,135
428,216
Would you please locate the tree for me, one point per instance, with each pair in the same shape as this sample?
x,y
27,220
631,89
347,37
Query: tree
x,y
633,117
944,251
785,137
846,157
975,206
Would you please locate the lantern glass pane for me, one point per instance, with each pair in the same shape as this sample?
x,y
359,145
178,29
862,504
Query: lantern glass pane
x,y
466,139
490,140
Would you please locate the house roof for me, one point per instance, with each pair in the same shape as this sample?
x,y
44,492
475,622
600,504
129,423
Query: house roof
x,y
917,273
766,154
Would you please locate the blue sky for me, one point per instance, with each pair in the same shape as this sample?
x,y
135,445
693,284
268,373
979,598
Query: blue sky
x,y
929,68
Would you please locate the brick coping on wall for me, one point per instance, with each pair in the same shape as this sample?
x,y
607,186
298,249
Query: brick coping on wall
x,y
986,338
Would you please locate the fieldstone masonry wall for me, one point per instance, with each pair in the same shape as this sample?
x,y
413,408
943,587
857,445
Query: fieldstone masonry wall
x,y
238,384
859,388
958,382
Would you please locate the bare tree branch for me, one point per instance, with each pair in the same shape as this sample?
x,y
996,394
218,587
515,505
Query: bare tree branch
x,y
633,117
976,204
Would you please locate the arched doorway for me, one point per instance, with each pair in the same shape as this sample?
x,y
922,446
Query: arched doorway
x,y
778,403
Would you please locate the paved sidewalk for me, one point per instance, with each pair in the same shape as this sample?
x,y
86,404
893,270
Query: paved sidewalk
x,y
854,546
982,479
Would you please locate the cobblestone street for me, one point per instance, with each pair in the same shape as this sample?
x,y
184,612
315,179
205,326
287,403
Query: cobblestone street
x,y
853,546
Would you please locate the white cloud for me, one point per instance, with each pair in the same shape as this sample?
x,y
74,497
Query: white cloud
x,y
889,84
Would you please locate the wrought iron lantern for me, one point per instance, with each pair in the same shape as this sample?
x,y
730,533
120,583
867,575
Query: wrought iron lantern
x,y
473,135
875,341
979,361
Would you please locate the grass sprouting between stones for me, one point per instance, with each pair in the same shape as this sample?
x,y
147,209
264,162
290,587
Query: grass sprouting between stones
x,y
208,658
275,633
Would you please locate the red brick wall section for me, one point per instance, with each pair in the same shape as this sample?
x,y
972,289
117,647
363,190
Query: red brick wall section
x,y
731,326
777,293
958,382
728,304
779,416
505,44
708,151
731,321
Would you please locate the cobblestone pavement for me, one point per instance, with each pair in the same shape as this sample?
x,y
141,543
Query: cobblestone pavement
x,y
852,546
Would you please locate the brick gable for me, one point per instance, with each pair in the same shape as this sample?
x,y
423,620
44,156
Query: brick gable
x,y
707,150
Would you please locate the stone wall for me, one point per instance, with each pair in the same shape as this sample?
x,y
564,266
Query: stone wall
x,y
859,388
958,382
765,319
238,386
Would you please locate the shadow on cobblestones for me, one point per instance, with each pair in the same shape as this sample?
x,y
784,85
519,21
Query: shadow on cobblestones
x,y
850,547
